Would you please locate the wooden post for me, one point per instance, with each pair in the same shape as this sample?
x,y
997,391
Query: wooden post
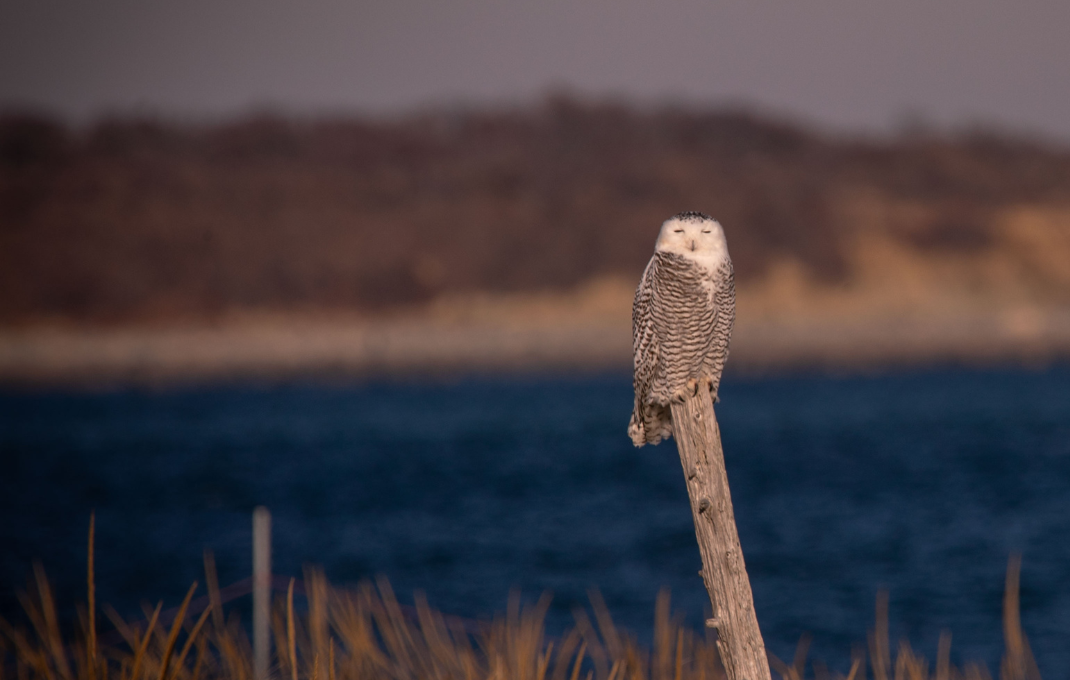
x,y
698,439
261,592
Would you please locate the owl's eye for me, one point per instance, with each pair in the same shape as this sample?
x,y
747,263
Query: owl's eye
x,y
706,231
678,231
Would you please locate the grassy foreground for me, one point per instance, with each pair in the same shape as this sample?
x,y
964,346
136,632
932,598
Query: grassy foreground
x,y
353,634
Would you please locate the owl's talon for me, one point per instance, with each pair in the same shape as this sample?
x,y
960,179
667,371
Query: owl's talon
x,y
693,385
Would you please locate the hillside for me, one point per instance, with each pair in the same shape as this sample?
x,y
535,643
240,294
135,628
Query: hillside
x,y
148,223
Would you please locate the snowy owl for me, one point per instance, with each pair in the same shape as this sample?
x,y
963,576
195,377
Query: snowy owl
x,y
681,321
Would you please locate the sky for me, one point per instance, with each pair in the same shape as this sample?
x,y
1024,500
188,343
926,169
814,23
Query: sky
x,y
857,65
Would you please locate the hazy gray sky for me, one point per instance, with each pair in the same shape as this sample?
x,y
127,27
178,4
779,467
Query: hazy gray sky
x,y
858,64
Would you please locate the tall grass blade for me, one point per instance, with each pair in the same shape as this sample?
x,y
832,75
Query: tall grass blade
x,y
579,662
144,643
191,638
291,636
211,581
172,637
91,613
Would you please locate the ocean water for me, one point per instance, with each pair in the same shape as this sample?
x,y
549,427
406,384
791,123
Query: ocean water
x,y
921,484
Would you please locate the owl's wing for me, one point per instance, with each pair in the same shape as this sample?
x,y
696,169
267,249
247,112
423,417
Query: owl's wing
x,y
645,352
644,337
724,300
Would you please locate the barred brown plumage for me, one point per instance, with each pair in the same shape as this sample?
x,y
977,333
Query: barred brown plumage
x,y
682,321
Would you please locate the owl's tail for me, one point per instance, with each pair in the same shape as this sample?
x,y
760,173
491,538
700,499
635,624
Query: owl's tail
x,y
635,431
650,424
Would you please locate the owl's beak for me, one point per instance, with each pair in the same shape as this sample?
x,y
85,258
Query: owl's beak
x,y
692,245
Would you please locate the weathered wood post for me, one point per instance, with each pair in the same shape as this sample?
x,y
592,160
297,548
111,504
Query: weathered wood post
x,y
261,592
698,439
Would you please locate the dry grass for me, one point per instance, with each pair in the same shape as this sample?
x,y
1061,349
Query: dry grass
x,y
366,633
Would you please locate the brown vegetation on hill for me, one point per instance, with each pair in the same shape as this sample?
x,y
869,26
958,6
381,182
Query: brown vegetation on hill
x,y
141,220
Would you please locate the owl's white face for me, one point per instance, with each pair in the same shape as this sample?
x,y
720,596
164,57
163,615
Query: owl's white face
x,y
696,238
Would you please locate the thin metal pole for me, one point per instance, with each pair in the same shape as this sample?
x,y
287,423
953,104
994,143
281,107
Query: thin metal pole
x,y
261,591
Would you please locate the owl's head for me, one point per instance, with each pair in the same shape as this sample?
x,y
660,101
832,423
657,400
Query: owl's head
x,y
696,236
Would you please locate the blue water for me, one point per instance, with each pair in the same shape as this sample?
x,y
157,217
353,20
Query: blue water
x,y
921,483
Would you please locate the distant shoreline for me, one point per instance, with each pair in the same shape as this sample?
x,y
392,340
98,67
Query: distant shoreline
x,y
296,346
489,241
